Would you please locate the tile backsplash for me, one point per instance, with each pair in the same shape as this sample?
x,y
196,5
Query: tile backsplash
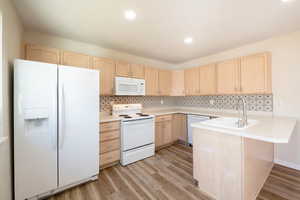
x,y
228,102
146,101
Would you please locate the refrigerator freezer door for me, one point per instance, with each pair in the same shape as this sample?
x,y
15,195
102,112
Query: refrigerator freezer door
x,y
78,124
35,128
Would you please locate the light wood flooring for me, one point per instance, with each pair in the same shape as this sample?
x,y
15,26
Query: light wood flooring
x,y
168,175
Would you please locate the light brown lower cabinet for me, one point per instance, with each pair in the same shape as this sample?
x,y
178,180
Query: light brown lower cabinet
x,y
109,158
109,143
163,131
179,127
230,167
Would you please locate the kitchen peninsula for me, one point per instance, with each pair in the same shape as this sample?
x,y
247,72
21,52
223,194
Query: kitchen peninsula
x,y
234,163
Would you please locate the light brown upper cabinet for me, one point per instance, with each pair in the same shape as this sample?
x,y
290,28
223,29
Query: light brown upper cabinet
x,y
191,81
164,82
228,76
123,69
151,77
177,84
107,74
76,59
255,74
208,80
137,71
126,69
42,54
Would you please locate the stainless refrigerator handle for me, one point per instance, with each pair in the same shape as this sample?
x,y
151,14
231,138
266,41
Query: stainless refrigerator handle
x,y
62,117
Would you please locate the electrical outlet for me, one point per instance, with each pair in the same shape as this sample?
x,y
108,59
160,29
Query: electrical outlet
x,y
161,101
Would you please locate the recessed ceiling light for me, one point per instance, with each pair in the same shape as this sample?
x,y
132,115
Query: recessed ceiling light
x,y
130,15
286,1
188,40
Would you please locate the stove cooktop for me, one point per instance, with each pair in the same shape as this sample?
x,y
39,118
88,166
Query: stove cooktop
x,y
135,116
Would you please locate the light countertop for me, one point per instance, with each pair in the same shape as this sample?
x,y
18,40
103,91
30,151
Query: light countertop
x,y
104,117
269,128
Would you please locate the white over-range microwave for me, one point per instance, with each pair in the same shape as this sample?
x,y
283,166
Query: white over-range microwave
x,y
129,86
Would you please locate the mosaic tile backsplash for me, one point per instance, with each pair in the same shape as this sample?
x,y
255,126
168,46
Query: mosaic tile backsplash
x,y
146,101
228,102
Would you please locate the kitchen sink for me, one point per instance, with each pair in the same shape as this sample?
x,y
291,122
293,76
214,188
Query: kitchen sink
x,y
228,122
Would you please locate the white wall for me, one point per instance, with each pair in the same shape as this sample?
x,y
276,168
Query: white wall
x,y
286,81
12,38
89,49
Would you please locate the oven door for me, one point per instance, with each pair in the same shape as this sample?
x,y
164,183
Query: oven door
x,y
129,86
137,133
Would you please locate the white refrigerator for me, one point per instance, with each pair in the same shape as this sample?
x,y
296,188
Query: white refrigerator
x,y
56,128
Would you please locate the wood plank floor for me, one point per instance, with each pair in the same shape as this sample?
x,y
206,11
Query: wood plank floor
x,y
168,175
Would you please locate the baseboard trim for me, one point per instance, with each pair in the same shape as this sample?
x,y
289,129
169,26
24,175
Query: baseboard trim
x,y
287,164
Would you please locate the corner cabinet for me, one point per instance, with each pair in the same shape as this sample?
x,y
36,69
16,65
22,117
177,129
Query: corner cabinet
x,y
256,74
42,54
107,74
163,131
179,127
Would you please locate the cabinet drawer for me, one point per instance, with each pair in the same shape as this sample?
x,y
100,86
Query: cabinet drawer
x,y
109,135
109,126
109,146
163,118
109,157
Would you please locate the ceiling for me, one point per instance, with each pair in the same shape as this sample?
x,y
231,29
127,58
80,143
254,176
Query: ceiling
x,y
161,25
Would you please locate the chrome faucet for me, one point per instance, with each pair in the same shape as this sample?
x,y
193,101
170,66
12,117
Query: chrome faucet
x,y
243,121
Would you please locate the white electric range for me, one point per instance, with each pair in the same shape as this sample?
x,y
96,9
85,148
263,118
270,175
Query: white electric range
x,y
137,133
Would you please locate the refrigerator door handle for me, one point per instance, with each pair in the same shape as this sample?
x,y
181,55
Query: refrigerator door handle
x,y
61,117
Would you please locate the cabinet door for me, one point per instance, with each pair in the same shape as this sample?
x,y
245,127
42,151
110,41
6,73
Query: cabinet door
x,y
107,74
227,76
167,132
256,74
164,78
76,59
137,71
191,81
151,77
179,128
207,80
177,84
205,161
41,54
122,69
230,167
158,134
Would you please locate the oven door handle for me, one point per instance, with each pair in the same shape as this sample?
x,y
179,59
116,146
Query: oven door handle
x,y
138,121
